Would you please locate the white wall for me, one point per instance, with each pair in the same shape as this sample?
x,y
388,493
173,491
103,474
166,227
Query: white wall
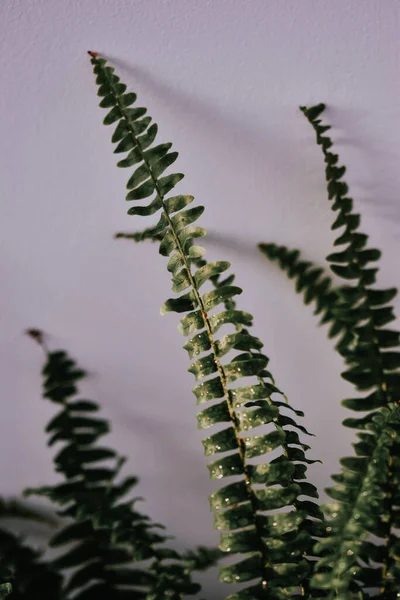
x,y
224,80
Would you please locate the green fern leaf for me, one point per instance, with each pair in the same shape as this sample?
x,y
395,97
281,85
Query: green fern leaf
x,y
189,272
367,502
106,532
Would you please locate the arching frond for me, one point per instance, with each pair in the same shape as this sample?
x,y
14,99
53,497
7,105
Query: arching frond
x,y
367,490
275,548
108,532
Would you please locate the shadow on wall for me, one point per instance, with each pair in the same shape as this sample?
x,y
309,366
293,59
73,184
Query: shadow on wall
x,y
161,439
379,189
379,185
241,130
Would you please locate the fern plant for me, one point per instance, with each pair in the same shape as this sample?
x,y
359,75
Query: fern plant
x,y
282,543
295,551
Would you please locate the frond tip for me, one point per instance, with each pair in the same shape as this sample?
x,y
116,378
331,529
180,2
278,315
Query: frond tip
x,y
36,335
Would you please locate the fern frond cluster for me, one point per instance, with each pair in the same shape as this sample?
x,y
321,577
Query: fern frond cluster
x,y
276,547
367,490
277,540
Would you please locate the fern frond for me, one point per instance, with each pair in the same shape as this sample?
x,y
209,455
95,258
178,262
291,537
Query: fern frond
x,y
276,547
317,288
367,490
5,589
108,532
25,575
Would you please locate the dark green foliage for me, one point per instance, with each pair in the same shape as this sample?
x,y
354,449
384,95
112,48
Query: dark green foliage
x,y
282,545
30,576
201,558
316,287
5,587
367,500
366,490
273,573
108,533
24,572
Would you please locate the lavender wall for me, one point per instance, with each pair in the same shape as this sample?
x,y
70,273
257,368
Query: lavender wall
x,y
224,80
